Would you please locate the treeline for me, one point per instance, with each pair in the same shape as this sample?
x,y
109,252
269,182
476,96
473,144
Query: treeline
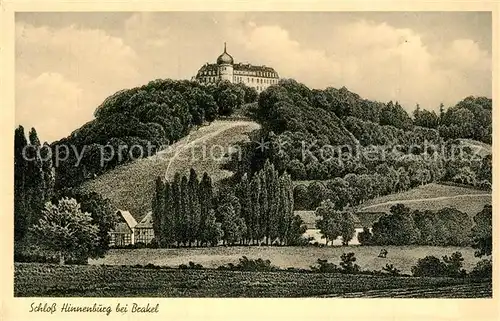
x,y
187,211
445,227
148,117
53,224
33,181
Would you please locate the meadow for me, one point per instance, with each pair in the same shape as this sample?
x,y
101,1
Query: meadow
x,y
131,186
402,257
32,279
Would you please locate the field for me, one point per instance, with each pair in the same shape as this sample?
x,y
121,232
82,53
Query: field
x,y
403,257
131,186
482,149
31,279
432,197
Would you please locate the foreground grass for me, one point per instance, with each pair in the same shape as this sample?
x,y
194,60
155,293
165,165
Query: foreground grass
x,y
31,279
302,257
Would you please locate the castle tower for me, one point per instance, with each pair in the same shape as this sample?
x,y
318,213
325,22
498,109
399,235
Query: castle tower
x,y
225,66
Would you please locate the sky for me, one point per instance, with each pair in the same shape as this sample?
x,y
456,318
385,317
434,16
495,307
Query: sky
x,y
68,63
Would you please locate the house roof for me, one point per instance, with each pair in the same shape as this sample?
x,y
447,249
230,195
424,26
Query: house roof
x,y
146,222
122,228
129,219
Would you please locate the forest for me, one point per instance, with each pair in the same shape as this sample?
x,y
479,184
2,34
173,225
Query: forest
x,y
149,117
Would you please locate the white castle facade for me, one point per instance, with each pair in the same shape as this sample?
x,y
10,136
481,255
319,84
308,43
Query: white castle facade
x,y
258,77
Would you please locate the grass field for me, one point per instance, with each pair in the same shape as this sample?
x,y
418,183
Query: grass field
x,y
402,257
32,279
432,197
131,186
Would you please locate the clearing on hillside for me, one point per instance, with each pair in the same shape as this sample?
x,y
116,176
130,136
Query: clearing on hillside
x,y
131,186
432,197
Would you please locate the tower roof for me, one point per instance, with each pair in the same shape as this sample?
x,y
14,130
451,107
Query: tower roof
x,y
225,58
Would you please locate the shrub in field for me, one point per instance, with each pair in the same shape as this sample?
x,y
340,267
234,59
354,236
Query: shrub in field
x,y
450,266
454,265
482,270
191,265
245,264
429,266
391,270
323,266
347,263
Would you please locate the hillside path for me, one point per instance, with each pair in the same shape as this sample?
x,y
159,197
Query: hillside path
x,y
185,143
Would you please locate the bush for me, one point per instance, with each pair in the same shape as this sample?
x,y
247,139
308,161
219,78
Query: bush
x,y
454,265
323,266
451,266
245,264
191,266
429,266
347,263
391,270
482,270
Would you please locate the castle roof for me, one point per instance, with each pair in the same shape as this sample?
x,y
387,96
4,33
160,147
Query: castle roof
x,y
249,67
225,58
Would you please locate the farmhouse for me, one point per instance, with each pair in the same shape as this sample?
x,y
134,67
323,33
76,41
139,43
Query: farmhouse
x,y
128,232
143,232
123,233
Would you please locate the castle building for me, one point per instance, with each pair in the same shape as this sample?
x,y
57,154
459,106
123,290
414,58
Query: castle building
x,y
258,77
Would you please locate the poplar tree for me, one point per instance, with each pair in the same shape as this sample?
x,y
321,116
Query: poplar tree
x,y
255,196
20,205
157,212
244,195
176,207
168,222
194,207
206,200
184,211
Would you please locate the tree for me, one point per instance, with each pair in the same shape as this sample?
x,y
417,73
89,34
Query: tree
x,y
33,183
347,263
21,211
101,211
296,232
168,220
397,228
194,207
347,227
365,237
66,231
482,232
330,220
429,266
229,223
244,195
158,208
206,203
212,233
454,265
254,227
